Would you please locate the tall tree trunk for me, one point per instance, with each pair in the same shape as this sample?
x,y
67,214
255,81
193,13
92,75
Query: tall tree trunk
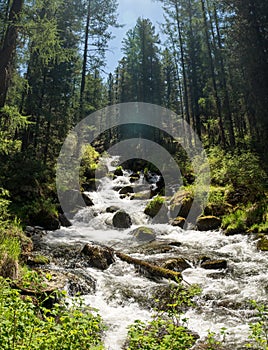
x,y
195,107
8,49
84,68
226,102
212,70
186,98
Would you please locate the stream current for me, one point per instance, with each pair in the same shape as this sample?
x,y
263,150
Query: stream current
x,y
224,301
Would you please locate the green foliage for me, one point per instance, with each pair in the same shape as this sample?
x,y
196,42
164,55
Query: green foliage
x,y
90,157
159,334
28,326
167,329
235,222
11,121
249,218
4,203
259,329
212,343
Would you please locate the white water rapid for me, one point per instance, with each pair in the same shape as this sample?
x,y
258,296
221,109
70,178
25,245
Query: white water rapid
x,y
225,293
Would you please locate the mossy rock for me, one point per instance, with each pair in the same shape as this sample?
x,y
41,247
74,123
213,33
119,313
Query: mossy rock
x,y
144,234
178,222
141,195
206,223
152,247
181,203
263,243
118,171
157,209
214,264
154,206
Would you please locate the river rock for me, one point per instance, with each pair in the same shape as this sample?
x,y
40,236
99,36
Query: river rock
x,y
112,209
151,248
144,234
80,283
87,199
206,223
64,221
214,264
263,243
181,204
178,222
141,195
153,207
118,171
126,190
121,219
46,219
175,264
98,256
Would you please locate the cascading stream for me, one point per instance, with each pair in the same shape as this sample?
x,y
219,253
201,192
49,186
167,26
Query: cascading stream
x,y
225,294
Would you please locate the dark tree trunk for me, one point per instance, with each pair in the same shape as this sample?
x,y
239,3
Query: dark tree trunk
x,y
211,64
84,68
8,49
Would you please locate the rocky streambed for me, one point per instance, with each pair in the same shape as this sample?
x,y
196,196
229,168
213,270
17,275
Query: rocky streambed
x,y
118,258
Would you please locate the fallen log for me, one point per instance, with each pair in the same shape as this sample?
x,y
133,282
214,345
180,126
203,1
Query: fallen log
x,y
152,270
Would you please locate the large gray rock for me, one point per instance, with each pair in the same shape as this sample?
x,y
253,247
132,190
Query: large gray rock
x,y
121,219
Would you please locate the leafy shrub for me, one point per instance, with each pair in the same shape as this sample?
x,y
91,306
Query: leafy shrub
x,y
235,222
259,330
159,334
239,169
28,326
167,329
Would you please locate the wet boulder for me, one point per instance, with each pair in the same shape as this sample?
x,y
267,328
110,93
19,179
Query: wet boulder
x,y
64,221
206,223
181,203
157,209
88,201
48,220
175,264
121,219
118,171
126,190
263,243
98,256
141,195
178,222
144,234
214,264
112,209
